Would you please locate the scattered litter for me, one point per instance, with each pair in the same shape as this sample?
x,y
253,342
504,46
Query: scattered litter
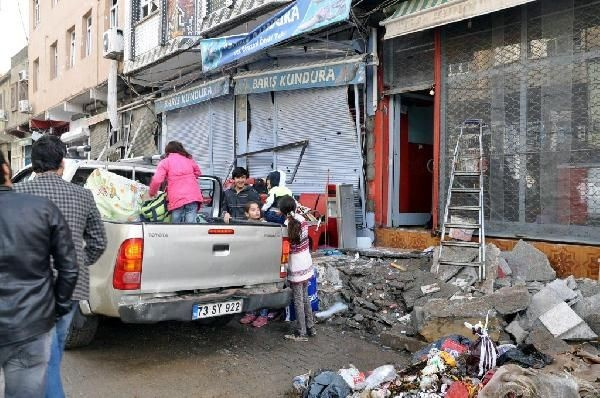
x,y
379,376
334,309
353,377
328,384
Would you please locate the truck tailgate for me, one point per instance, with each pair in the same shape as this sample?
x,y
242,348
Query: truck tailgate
x,y
181,257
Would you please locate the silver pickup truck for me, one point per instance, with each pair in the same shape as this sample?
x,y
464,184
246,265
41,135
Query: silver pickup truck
x,y
152,272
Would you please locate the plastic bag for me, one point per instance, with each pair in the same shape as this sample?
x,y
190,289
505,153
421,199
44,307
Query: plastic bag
x,y
300,383
380,375
525,355
353,377
328,385
117,198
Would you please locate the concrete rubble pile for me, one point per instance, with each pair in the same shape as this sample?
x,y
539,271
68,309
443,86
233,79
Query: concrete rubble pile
x,y
533,318
397,296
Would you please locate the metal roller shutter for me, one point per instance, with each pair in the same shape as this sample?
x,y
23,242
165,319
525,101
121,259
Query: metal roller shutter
x,y
191,126
323,117
261,110
222,111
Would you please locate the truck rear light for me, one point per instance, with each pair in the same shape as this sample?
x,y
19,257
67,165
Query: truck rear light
x,y
285,256
221,231
128,267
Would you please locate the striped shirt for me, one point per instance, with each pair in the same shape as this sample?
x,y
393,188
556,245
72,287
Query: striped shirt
x,y
79,209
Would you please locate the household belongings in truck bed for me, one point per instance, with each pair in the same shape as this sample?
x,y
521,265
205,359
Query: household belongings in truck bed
x,y
117,198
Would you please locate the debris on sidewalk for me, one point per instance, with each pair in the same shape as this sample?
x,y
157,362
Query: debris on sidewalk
x,y
530,316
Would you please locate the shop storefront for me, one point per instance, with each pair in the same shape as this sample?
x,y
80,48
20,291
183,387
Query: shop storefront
x,y
303,120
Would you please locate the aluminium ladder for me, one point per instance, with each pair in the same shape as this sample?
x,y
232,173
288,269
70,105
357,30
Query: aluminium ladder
x,y
468,185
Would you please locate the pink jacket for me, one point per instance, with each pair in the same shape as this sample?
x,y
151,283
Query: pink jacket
x,y
182,175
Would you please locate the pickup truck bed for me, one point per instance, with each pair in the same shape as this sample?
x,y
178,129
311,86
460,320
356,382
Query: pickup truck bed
x,y
188,264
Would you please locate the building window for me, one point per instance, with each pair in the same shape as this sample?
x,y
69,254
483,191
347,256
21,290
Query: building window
x,y
114,13
36,74
148,7
13,97
54,60
87,34
27,155
71,47
36,13
23,88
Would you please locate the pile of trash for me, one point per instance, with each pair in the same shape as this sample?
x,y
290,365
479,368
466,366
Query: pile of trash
x,y
456,367
408,300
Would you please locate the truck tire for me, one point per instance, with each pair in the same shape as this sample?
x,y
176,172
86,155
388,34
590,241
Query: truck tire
x,y
218,321
83,330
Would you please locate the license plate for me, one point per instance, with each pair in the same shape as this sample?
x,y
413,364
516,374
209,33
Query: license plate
x,y
200,311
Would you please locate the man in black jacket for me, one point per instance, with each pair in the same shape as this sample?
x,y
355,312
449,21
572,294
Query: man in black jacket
x,y
238,195
77,205
32,230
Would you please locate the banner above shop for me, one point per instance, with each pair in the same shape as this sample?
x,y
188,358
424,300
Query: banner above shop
x,y
300,17
324,75
194,95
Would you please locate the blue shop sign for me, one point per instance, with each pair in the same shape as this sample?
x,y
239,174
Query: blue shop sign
x,y
300,78
299,17
194,95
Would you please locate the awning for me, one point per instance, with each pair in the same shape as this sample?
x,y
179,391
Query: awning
x,y
417,15
336,72
195,95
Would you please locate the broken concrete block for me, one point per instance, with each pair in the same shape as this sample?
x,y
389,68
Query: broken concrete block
x,y
457,254
542,302
503,267
466,277
492,257
581,332
588,306
439,317
560,319
544,342
562,289
394,338
593,321
529,264
515,329
510,300
588,287
571,282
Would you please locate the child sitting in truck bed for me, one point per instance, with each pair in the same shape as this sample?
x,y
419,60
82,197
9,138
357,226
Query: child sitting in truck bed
x,y
252,211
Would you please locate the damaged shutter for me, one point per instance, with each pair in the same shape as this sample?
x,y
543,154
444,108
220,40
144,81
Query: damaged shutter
x,y
321,116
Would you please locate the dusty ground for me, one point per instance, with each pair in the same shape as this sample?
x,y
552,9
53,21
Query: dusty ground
x,y
186,360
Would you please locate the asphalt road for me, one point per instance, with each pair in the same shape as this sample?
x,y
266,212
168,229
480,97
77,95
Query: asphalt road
x,y
188,360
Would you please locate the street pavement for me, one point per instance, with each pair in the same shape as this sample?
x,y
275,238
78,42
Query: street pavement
x,y
188,360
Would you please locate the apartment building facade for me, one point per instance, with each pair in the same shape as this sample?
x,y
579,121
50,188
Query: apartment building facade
x,y
68,73
15,138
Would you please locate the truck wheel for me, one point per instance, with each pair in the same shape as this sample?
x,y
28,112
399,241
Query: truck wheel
x,y
82,331
218,321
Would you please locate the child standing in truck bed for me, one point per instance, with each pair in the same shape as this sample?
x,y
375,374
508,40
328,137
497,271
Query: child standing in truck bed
x,y
252,211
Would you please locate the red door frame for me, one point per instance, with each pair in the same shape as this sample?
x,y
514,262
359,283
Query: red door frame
x,y
437,125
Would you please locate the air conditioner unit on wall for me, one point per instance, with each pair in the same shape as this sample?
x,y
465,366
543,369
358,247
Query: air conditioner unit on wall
x,y
113,43
24,106
2,115
23,76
